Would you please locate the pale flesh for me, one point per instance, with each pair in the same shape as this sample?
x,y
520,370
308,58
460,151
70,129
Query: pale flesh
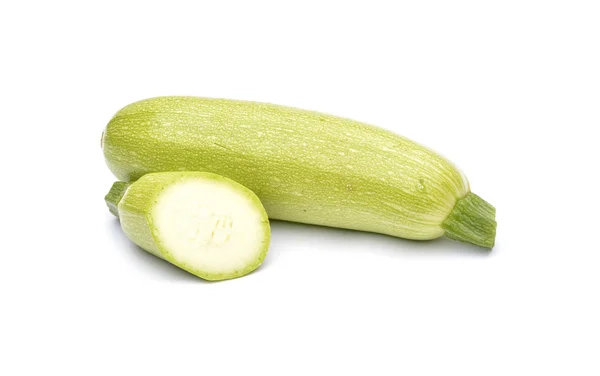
x,y
209,229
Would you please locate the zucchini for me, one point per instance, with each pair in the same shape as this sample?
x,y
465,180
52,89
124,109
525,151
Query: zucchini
x,y
203,223
305,166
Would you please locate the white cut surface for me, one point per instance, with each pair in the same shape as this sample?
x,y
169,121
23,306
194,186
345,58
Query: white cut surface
x,y
209,226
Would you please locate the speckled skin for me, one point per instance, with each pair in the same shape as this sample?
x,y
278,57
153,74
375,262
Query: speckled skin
x,y
304,166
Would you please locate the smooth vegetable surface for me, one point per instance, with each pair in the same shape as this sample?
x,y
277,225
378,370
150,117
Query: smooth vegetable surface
x,y
204,223
305,166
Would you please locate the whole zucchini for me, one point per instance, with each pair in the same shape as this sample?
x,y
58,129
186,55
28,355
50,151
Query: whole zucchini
x,y
304,166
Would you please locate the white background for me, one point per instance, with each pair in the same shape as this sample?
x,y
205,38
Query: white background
x,y
508,90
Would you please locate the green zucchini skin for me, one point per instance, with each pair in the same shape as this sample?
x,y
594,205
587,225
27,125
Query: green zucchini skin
x,y
305,166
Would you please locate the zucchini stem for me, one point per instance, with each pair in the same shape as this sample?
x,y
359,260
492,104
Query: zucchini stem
x,y
473,220
114,196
